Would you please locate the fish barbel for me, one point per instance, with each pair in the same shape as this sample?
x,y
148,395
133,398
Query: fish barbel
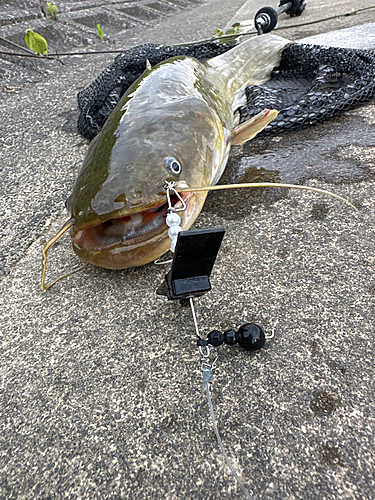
x,y
176,123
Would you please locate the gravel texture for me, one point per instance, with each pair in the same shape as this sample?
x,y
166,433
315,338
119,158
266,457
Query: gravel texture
x,y
101,393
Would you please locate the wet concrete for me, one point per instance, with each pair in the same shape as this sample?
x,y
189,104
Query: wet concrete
x,y
336,152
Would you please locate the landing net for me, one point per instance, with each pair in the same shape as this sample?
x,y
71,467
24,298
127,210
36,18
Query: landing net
x,y
312,84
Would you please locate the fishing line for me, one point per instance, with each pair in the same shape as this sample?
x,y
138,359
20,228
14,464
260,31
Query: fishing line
x,y
16,45
173,220
249,336
206,40
254,32
207,375
240,483
187,279
266,184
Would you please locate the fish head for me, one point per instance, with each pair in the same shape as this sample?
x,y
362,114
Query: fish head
x,y
119,201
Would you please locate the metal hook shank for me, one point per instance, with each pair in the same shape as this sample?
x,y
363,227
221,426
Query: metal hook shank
x,y
169,187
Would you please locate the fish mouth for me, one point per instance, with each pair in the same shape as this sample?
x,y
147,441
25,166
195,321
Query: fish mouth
x,y
131,240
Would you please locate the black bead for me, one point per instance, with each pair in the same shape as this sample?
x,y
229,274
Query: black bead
x,y
215,338
202,342
231,337
251,337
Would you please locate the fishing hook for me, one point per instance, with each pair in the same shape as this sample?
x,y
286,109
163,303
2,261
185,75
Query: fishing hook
x,y
170,188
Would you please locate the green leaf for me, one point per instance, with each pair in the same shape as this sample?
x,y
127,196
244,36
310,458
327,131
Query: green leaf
x,y
225,37
51,9
52,6
99,31
36,42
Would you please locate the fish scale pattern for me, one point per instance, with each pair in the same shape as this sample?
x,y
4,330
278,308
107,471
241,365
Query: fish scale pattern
x,y
312,84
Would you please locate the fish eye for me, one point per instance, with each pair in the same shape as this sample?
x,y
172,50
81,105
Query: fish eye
x,y
173,166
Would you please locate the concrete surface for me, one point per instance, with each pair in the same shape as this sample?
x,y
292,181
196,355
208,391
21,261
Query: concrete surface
x,y
347,37
100,383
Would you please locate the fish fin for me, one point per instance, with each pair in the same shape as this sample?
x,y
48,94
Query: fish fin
x,y
148,65
252,127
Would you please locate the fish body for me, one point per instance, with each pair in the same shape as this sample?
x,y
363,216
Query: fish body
x,y
176,123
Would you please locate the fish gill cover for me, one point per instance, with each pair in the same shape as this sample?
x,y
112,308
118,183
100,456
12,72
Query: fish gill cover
x,y
311,85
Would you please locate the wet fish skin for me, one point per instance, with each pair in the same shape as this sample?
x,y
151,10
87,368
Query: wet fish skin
x,y
181,109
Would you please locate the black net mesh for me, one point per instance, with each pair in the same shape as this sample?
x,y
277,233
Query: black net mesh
x,y
312,84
